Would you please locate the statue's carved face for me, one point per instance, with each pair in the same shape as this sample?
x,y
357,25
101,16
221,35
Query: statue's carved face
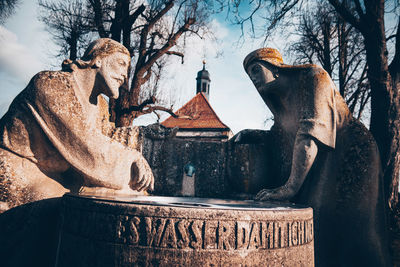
x,y
113,70
260,75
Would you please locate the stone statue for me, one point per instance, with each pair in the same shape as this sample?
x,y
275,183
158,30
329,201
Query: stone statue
x,y
52,139
323,158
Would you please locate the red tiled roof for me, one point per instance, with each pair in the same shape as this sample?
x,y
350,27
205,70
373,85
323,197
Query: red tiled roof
x,y
196,114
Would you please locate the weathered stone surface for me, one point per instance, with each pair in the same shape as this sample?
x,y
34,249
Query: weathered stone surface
x,y
168,157
162,231
29,234
54,137
248,165
327,160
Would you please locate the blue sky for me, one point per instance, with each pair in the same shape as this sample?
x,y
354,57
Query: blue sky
x,y
26,48
23,51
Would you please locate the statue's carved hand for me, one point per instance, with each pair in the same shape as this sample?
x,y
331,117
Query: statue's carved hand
x,y
265,194
141,175
282,193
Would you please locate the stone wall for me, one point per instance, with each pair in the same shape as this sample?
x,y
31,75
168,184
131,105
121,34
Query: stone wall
x,y
168,158
222,168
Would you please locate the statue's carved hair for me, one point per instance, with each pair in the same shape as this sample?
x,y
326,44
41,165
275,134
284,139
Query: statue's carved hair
x,y
99,48
271,56
71,65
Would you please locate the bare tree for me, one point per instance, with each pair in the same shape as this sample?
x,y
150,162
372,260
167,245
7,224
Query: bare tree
x,y
327,39
65,21
157,35
317,33
384,78
7,8
151,30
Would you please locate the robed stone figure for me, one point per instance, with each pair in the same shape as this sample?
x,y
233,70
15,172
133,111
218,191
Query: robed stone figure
x,y
52,138
321,157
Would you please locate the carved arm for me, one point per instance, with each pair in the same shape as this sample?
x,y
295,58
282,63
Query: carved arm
x,y
304,152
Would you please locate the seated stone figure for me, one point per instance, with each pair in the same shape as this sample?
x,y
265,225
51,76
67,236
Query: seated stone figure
x,y
51,138
323,158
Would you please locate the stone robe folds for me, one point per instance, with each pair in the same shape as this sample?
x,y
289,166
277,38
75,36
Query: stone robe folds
x,y
51,142
344,185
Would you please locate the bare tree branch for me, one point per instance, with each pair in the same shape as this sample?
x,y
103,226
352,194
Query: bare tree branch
x,y
7,8
283,11
175,53
171,42
358,8
98,19
140,107
133,17
346,14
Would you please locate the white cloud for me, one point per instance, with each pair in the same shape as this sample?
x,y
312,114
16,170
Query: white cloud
x,y
15,58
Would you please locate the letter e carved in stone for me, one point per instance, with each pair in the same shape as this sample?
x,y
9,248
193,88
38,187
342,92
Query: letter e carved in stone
x,y
210,234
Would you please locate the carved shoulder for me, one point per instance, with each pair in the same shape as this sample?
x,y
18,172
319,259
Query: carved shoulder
x,y
316,71
51,81
52,86
316,77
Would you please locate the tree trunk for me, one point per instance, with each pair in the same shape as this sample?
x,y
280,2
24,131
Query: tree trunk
x,y
98,18
121,28
342,40
393,166
126,26
126,100
384,100
122,103
73,46
116,26
326,32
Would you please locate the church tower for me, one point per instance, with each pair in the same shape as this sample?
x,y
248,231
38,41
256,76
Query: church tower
x,y
203,81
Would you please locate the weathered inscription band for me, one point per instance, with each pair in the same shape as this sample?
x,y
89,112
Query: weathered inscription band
x,y
225,235
132,233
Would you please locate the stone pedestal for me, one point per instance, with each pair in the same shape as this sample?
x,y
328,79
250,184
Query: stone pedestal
x,y
181,231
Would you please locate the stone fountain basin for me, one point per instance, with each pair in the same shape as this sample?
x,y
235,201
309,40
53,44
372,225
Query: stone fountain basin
x,y
183,231
195,202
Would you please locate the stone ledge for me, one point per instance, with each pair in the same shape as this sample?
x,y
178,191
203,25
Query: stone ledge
x,y
109,233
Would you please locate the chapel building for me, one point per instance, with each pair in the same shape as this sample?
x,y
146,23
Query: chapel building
x,y
196,119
